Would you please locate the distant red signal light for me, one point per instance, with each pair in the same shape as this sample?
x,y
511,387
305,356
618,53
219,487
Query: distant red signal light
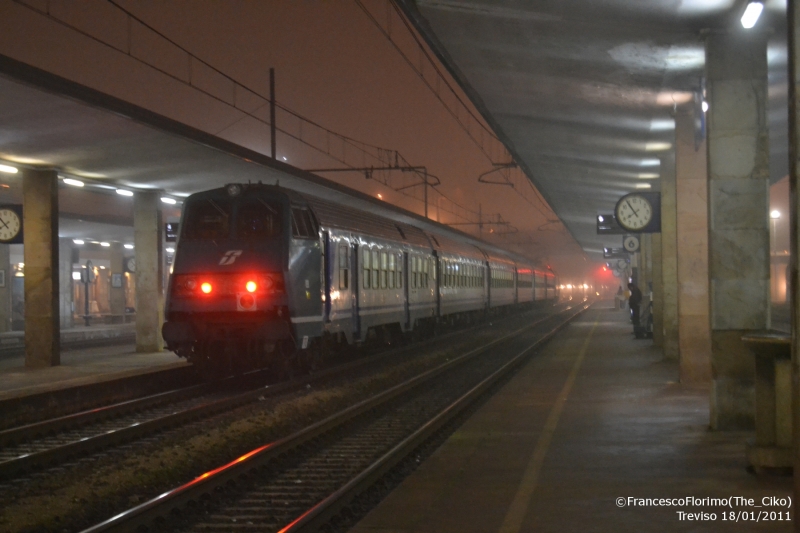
x,y
206,287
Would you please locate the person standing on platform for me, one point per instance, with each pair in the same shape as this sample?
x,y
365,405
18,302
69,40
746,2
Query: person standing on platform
x,y
634,302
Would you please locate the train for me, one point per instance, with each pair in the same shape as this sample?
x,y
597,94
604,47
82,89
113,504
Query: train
x,y
264,276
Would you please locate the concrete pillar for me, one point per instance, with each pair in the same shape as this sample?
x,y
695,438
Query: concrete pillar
x,y
738,201
669,258
40,227
694,342
149,271
117,290
658,291
65,290
5,288
793,14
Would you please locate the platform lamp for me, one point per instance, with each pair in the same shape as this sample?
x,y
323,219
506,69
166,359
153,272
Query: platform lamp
x,y
774,216
751,14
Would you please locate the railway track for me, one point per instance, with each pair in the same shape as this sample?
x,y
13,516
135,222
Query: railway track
x,y
301,482
25,449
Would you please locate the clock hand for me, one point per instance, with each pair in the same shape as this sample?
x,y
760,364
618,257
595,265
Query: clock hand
x,y
635,212
3,222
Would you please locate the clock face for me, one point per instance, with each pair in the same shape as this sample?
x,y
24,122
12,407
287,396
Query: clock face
x,y
10,224
631,243
131,264
634,212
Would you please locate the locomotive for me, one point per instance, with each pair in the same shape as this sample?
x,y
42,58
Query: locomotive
x,y
266,276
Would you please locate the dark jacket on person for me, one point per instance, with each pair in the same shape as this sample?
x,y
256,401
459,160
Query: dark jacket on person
x,y
636,296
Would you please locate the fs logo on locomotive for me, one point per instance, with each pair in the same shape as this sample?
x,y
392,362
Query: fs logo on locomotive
x,y
229,257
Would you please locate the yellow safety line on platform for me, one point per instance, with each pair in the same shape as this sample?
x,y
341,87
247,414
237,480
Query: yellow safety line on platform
x,y
519,506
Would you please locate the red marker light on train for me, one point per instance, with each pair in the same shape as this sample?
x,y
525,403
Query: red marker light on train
x,y
205,287
251,286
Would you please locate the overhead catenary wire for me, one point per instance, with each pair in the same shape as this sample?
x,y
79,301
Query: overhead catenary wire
x,y
510,178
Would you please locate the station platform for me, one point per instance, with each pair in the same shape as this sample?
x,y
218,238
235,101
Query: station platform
x,y
578,440
13,341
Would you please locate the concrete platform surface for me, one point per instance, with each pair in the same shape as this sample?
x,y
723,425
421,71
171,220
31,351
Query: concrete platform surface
x,y
81,367
14,339
578,440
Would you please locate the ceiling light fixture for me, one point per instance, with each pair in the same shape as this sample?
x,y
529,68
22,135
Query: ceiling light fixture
x,y
643,186
129,247
8,169
751,14
123,192
106,244
648,176
704,106
77,241
168,200
74,183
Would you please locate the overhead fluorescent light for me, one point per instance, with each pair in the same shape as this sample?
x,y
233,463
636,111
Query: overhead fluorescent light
x,y
123,192
77,241
648,176
129,246
170,250
751,14
106,244
74,183
168,200
657,146
8,169
643,186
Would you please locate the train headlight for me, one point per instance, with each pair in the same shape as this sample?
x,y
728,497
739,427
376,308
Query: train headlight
x,y
206,287
251,286
234,189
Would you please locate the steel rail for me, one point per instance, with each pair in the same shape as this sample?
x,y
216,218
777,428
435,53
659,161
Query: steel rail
x,y
207,483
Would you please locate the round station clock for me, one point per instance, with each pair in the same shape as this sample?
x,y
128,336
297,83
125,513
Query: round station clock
x,y
10,224
130,264
633,212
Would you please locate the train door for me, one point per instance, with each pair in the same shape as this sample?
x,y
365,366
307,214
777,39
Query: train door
x,y
487,279
437,265
406,294
328,266
355,289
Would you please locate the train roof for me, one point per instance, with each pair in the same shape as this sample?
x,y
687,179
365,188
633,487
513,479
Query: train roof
x,y
347,218
358,208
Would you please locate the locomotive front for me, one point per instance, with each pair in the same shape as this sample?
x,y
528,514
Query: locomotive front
x,y
227,300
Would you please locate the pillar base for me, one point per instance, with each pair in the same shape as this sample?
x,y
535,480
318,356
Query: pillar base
x,y
732,404
766,457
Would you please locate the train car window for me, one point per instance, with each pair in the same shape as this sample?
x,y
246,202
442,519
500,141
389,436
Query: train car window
x,y
390,272
413,277
399,283
376,269
344,266
384,264
303,226
207,220
365,266
425,273
257,219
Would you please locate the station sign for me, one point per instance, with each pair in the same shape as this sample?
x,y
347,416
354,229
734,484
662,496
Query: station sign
x,y
171,230
607,225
